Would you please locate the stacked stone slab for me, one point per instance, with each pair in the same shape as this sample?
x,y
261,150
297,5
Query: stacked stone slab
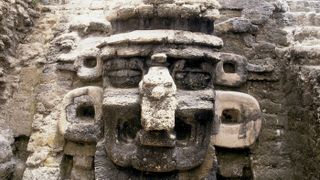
x,y
303,26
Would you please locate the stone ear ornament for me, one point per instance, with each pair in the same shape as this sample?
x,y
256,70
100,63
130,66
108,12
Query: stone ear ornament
x,y
231,70
81,112
88,67
239,120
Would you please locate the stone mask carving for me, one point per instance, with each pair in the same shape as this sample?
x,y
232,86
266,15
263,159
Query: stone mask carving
x,y
157,126
157,110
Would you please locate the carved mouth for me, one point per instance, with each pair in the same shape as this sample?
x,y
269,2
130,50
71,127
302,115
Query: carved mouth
x,y
182,148
162,151
185,133
192,80
124,77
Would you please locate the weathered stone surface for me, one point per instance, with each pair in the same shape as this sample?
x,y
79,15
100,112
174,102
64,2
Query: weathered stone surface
x,y
7,169
7,161
105,168
6,150
267,67
304,6
83,162
257,11
81,174
236,25
302,18
195,100
50,173
78,149
114,97
305,53
306,33
86,25
181,9
233,165
22,102
190,53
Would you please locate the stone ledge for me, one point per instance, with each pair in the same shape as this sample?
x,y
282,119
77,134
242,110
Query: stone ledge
x,y
163,37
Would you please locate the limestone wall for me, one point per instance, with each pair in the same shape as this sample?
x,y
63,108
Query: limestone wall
x,y
16,21
286,43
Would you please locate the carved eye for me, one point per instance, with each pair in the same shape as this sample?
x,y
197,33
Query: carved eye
x,y
182,130
128,128
90,62
168,84
192,80
191,76
124,73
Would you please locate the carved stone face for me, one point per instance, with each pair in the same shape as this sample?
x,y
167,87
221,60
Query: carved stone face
x,y
157,105
157,111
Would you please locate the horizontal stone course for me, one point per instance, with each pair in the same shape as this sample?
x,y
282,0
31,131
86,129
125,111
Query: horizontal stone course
x,y
302,18
164,36
304,5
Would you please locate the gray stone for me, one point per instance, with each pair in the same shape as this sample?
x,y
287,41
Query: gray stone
x,y
5,150
236,25
7,169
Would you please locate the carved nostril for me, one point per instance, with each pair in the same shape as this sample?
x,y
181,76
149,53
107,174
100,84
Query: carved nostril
x,y
158,92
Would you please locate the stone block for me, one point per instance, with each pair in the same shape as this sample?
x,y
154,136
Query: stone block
x,y
83,162
164,36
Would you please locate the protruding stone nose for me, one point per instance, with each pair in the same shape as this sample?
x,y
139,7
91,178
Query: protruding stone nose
x,y
158,103
158,92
